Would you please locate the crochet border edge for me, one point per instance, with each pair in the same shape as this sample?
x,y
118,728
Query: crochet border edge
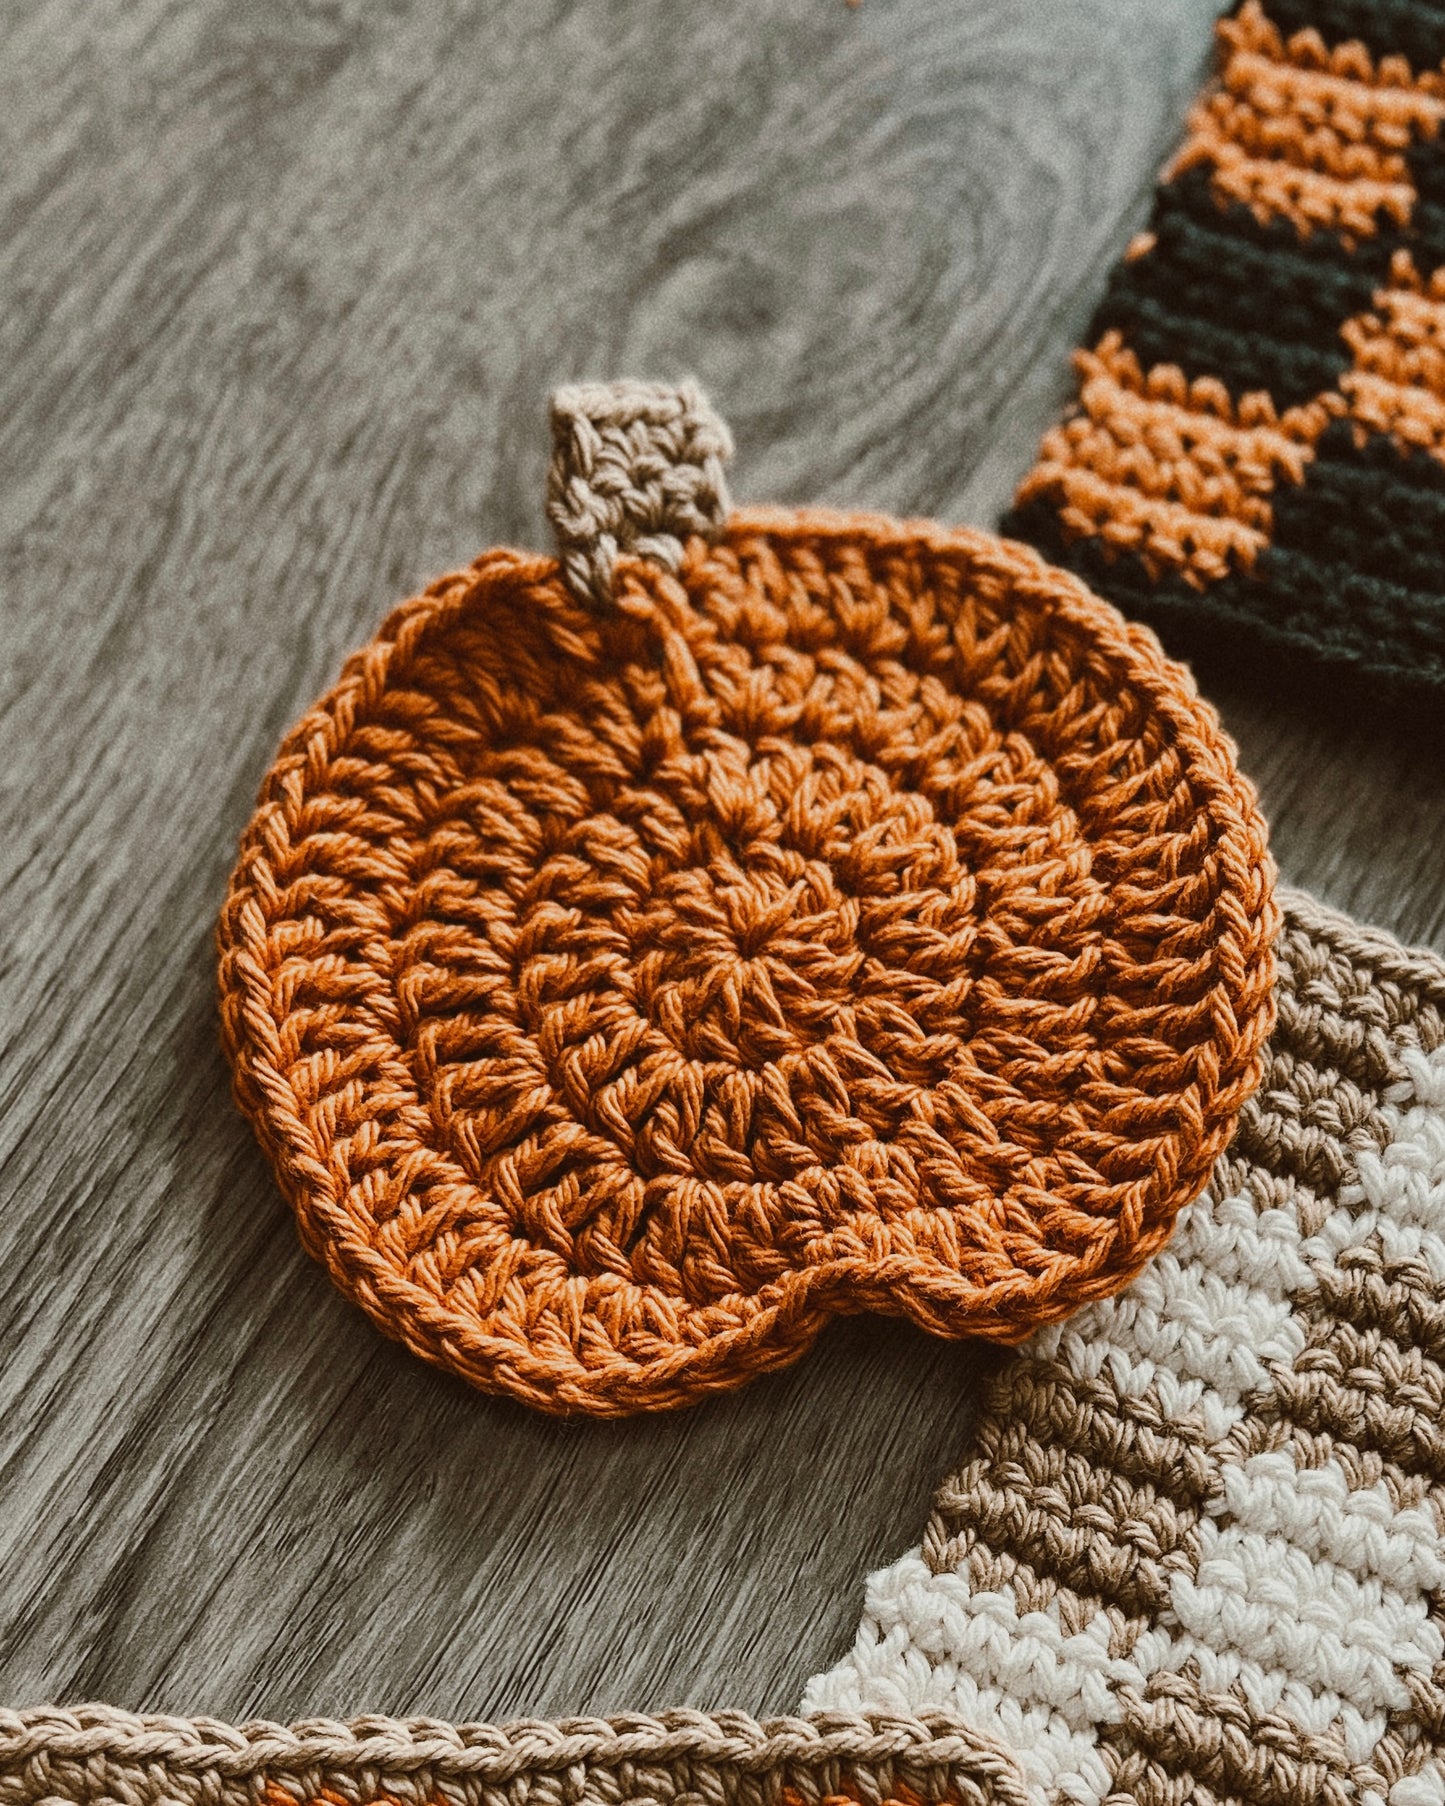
x,y
95,1751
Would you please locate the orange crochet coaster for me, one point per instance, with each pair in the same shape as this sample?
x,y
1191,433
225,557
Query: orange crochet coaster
x,y
812,913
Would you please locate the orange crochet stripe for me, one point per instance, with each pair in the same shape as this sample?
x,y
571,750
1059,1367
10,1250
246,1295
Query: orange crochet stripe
x,y
1396,383
899,1794
1175,471
1291,276
1181,475
864,918
1316,135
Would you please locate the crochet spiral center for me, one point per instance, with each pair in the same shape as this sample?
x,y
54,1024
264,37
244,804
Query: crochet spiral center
x,y
736,975
752,929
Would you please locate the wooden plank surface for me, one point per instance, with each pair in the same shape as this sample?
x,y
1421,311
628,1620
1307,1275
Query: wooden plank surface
x,y
283,285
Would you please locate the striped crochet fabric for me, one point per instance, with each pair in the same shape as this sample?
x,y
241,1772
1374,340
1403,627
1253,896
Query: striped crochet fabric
x,y
1257,451
1195,1554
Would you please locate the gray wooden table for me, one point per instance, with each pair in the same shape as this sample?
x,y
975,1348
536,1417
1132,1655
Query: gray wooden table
x,y
283,285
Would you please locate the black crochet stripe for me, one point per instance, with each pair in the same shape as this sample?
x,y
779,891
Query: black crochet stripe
x,y
1425,238
1376,513
1256,305
1414,29
1352,575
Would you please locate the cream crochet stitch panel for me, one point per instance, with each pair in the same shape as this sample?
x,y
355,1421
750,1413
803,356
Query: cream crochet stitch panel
x,y
1195,1554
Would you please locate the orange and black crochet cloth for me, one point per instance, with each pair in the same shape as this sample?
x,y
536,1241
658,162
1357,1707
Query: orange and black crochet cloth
x,y
1256,457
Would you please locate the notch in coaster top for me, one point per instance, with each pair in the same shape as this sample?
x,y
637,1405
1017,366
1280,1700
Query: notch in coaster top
x,y
637,959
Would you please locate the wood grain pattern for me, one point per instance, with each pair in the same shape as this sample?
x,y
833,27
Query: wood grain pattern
x,y
282,287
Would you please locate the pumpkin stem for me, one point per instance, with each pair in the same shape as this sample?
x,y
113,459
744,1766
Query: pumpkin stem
x,y
636,468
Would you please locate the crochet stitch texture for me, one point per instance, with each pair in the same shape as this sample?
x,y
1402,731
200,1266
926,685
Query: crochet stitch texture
x,y
1257,450
1194,1553
862,918
96,1755
636,467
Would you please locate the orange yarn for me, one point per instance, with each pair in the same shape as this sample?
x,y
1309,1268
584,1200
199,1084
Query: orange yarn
x,y
1297,130
1183,476
1175,471
865,918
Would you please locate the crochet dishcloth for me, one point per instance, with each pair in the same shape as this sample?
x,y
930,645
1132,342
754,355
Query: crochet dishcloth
x,y
860,917
1257,449
1194,1553
97,1756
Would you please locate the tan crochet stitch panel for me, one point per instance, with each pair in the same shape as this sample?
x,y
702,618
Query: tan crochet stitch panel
x,y
636,467
1194,1554
97,1756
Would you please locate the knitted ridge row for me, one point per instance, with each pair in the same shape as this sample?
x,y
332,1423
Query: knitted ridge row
x,y
862,918
1195,1553
94,1754
1257,449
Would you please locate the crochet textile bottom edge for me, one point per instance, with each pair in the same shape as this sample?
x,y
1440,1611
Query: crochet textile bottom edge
x,y
97,1753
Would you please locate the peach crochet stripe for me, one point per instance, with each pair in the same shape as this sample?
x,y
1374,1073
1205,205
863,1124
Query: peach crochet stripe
x,y
864,918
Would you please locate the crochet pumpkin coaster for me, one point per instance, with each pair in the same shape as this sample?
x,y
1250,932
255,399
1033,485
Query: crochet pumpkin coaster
x,y
96,1756
1195,1553
1258,444
828,914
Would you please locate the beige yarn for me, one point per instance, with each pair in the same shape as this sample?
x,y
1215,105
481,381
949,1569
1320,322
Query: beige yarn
x,y
636,467
94,1754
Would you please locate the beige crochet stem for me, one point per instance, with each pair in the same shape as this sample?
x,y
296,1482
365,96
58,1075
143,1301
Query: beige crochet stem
x,y
636,468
